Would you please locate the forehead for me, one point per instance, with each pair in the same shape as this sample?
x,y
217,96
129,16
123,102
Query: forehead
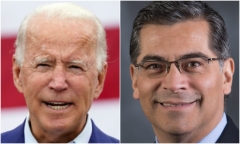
x,y
43,30
175,40
58,36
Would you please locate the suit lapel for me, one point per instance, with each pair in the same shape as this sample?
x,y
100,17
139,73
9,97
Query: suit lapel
x,y
230,133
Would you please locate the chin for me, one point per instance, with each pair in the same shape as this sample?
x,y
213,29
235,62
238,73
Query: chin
x,y
177,128
177,131
58,125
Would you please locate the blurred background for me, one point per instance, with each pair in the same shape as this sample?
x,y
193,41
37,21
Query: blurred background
x,y
135,127
106,110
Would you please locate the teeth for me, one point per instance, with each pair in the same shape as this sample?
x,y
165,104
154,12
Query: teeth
x,y
58,107
57,103
172,105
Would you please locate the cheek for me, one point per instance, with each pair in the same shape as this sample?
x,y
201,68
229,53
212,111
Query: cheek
x,y
34,83
209,84
147,87
82,86
83,90
210,87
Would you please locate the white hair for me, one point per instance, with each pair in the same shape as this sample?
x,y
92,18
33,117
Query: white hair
x,y
63,11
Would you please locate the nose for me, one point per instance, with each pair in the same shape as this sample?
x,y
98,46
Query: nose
x,y
174,81
58,81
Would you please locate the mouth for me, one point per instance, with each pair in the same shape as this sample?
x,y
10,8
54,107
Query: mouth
x,y
58,105
171,104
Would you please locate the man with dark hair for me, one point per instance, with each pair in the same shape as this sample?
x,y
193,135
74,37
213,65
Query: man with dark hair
x,y
182,71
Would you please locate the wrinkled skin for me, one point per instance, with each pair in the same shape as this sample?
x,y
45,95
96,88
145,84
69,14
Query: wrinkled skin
x,y
59,66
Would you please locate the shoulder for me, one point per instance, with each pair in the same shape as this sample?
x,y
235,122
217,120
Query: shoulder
x,y
98,136
230,133
14,136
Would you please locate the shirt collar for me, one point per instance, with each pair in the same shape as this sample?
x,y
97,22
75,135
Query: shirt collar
x,y
213,136
83,137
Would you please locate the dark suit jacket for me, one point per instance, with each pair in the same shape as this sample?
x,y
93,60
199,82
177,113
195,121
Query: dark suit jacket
x,y
230,133
17,135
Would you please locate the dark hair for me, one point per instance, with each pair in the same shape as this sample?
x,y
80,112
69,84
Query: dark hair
x,y
171,12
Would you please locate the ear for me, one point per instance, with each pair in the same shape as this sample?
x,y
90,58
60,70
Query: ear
x,y
101,79
17,75
134,82
228,70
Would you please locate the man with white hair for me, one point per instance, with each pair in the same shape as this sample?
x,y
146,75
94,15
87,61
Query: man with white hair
x,y
60,66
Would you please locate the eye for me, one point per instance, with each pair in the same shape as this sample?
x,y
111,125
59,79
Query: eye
x,y
74,67
43,65
193,64
153,66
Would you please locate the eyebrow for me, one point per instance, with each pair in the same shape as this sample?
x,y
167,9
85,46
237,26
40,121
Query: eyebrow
x,y
41,59
46,58
160,58
153,58
193,55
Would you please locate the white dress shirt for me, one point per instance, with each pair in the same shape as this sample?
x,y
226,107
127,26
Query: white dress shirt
x,y
83,137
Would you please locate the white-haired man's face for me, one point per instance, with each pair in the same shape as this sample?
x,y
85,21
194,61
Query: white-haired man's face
x,y
59,78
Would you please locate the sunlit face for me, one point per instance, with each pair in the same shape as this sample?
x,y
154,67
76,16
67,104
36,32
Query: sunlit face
x,y
180,104
59,78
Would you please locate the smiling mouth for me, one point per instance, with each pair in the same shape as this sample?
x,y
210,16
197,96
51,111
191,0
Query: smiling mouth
x,y
174,104
57,105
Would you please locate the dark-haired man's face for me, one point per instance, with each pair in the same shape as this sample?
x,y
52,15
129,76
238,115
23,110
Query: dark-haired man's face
x,y
186,103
